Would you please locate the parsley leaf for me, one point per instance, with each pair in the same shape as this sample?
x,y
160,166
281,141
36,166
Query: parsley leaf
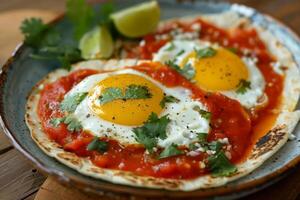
x,y
180,53
33,30
137,92
81,15
243,86
168,99
110,94
187,71
171,150
72,123
97,145
70,103
152,129
131,92
219,165
205,53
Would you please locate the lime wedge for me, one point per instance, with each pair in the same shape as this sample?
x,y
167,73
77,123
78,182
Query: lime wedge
x,y
138,20
96,44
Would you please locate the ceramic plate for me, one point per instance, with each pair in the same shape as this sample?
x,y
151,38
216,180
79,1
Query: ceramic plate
x,y
21,73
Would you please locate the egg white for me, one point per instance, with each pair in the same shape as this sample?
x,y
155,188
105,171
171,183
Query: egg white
x,y
185,123
250,99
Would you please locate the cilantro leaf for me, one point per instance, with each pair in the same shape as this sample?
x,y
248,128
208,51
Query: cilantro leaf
x,y
110,94
72,123
187,71
233,50
171,47
205,53
215,146
202,137
97,145
142,137
168,99
33,30
81,15
56,121
137,92
152,129
243,86
70,103
157,126
205,114
103,17
131,92
219,165
180,53
171,150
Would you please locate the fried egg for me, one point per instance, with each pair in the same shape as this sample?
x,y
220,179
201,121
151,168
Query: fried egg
x,y
223,72
116,119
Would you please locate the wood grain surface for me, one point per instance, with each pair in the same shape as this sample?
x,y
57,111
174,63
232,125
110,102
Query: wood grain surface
x,y
20,181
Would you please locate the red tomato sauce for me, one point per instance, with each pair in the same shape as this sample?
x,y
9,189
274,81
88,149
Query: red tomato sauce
x,y
229,118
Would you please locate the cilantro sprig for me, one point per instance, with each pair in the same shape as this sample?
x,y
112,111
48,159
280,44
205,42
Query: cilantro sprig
x,y
243,86
205,53
72,123
220,165
152,129
168,99
187,71
97,145
47,42
70,103
131,92
170,151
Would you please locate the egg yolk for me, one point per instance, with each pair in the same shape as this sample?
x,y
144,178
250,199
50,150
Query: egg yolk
x,y
126,111
220,72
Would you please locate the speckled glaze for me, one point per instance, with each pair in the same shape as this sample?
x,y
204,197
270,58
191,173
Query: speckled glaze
x,y
21,73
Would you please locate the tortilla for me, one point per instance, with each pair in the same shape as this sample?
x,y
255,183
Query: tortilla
x,y
264,148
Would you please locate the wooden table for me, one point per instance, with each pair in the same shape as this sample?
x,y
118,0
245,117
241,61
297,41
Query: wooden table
x,y
19,180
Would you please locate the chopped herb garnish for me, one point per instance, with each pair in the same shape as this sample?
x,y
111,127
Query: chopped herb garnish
x,y
168,99
131,92
219,165
192,147
70,103
152,129
243,86
215,146
205,53
202,137
137,92
110,94
171,150
187,71
180,53
205,114
170,47
56,121
72,123
97,145
233,50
